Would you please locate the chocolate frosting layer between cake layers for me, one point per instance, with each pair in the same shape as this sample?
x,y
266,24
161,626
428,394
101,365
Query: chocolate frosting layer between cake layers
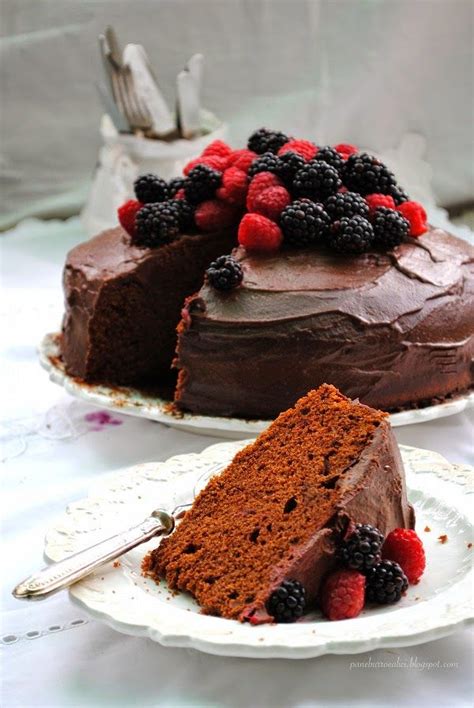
x,y
393,329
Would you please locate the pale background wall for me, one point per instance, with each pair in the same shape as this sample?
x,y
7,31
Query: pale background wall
x,y
365,71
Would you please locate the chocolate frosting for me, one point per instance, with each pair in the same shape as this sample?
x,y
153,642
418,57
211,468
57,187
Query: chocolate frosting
x,y
373,491
393,329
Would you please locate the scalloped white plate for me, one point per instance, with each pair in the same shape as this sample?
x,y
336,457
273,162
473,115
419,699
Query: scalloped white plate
x,y
133,402
440,604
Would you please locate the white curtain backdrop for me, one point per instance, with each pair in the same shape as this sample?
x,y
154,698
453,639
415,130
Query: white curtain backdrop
x,y
362,71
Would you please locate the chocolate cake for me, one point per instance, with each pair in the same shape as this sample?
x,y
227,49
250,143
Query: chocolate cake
x,y
123,303
278,511
393,329
337,279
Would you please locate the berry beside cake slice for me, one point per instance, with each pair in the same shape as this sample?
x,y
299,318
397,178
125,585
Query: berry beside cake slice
x,y
262,535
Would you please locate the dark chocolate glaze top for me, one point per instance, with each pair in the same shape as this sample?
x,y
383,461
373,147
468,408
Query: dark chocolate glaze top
x,y
375,288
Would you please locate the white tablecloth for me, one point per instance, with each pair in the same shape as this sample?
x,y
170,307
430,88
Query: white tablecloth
x,y
53,655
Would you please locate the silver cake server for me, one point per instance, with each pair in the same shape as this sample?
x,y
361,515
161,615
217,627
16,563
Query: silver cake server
x,y
60,575
64,573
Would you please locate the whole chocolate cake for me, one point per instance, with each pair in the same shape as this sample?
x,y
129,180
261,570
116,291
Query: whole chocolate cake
x,y
279,512
337,279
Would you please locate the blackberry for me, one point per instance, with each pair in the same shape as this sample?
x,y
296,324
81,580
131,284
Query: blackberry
x,y
184,213
224,273
288,602
290,163
174,185
303,223
362,549
157,224
367,175
346,204
390,227
399,195
150,188
331,156
201,183
386,583
268,162
354,235
264,140
316,180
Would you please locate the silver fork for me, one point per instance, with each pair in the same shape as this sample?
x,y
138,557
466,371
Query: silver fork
x,y
127,100
63,573
133,110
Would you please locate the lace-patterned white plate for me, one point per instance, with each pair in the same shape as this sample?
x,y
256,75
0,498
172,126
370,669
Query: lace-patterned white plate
x,y
130,603
133,402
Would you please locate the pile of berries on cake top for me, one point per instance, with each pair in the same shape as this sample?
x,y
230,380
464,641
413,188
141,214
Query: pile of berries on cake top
x,y
371,570
281,192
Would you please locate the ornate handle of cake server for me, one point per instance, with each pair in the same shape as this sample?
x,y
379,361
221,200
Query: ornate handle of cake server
x,y
60,575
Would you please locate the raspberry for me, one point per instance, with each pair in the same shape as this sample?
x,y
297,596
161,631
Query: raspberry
x,y
353,235
257,233
157,224
180,194
271,202
268,162
242,159
303,223
264,140
343,595
390,227
346,150
202,183
416,216
366,174
214,215
290,163
288,602
305,148
234,188
331,156
261,181
405,547
224,273
217,148
214,161
316,180
127,213
379,200
386,583
175,185
399,195
361,550
150,188
346,204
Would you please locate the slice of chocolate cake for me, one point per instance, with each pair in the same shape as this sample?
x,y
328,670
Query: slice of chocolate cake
x,y
279,509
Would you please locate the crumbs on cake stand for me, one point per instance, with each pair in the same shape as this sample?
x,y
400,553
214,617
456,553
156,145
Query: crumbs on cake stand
x,y
443,538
